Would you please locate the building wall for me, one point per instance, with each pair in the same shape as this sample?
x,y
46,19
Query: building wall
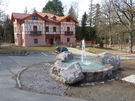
x,y
26,38
28,26
64,26
64,39
51,25
17,32
64,36
29,40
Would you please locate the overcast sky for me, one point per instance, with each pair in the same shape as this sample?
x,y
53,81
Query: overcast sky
x,y
18,6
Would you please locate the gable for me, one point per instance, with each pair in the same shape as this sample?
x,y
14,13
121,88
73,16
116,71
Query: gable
x,y
18,16
68,19
33,16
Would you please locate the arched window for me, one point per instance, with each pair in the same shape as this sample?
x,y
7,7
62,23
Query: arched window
x,y
68,28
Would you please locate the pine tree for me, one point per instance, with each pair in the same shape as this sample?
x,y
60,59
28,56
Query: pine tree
x,y
8,31
97,15
54,7
91,22
84,27
91,14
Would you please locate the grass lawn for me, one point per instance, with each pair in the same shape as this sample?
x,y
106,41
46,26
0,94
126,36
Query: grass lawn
x,y
14,49
100,50
42,48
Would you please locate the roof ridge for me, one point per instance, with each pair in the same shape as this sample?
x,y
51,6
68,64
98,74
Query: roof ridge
x,y
22,16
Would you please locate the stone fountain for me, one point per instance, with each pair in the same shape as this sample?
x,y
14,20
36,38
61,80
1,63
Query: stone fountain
x,y
70,70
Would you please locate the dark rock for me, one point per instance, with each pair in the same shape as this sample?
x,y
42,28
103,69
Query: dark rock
x,y
65,56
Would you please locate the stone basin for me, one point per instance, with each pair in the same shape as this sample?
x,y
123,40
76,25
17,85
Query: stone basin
x,y
105,72
75,72
96,73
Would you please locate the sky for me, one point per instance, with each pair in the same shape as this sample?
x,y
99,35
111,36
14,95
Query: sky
x,y
18,6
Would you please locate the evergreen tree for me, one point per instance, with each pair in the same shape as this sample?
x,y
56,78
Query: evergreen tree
x,y
97,15
91,21
1,33
97,20
8,35
91,14
54,7
84,31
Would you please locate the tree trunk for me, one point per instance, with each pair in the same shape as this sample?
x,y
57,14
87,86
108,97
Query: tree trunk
x,y
130,42
110,41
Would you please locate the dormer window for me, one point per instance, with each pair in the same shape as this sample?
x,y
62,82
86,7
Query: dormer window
x,y
68,19
53,17
34,17
46,17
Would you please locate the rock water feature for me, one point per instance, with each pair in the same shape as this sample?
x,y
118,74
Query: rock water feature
x,y
69,70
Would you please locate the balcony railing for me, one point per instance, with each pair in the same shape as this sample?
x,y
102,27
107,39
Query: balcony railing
x,y
69,33
35,33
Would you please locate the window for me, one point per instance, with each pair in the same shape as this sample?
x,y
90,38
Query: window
x,y
35,41
53,17
34,17
68,28
34,28
22,40
68,39
68,19
47,29
54,29
46,17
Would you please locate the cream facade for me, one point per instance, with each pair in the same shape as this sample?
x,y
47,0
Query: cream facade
x,y
39,29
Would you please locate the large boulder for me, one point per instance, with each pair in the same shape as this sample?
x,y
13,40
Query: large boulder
x,y
109,58
65,56
58,66
72,74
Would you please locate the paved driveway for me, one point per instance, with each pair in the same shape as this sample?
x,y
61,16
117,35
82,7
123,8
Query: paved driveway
x,y
10,65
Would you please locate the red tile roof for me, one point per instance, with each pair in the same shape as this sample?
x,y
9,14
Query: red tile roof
x,y
22,16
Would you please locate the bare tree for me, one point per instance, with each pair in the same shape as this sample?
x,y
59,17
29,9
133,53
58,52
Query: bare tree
x,y
3,6
125,10
26,10
73,10
108,13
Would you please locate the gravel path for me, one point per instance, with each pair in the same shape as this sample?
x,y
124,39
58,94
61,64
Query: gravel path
x,y
37,78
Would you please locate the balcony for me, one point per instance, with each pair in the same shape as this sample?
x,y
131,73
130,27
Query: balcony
x,y
35,33
69,33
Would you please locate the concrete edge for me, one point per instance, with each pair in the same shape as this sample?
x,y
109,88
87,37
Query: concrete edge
x,y
15,54
26,53
18,78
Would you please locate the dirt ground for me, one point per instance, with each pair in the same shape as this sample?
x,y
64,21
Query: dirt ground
x,y
115,90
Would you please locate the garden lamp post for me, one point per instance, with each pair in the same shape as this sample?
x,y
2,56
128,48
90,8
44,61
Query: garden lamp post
x,y
18,43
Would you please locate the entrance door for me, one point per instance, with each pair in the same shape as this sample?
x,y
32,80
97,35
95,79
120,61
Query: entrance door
x,y
51,41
